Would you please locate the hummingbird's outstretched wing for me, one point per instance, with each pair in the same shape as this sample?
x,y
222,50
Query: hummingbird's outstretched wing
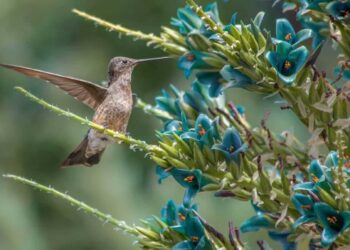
x,y
87,92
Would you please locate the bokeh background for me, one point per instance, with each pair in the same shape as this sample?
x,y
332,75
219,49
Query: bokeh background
x,y
45,34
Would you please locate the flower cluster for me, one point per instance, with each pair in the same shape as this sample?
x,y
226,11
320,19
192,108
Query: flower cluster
x,y
321,202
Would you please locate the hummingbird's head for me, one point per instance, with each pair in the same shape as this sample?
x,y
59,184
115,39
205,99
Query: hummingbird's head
x,y
123,65
120,65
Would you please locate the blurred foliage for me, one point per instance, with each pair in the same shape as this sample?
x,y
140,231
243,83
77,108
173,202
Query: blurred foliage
x,y
46,35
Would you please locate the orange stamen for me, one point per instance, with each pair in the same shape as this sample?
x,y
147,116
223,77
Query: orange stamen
x,y
190,57
332,219
314,178
306,207
194,238
202,131
181,216
288,37
189,179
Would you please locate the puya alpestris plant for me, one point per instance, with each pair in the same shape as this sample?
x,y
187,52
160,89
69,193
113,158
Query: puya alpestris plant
x,y
208,145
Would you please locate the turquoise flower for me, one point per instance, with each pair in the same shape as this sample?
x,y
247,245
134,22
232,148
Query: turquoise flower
x,y
205,131
175,126
175,215
333,222
287,60
257,222
305,206
193,60
192,180
199,98
184,221
228,77
188,21
231,145
319,29
170,214
339,9
235,78
167,103
194,230
317,178
282,238
213,80
285,32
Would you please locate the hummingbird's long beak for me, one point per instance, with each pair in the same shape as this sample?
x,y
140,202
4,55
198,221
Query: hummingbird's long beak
x,y
152,59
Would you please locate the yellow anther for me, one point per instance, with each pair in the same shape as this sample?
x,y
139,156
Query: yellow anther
x,y
287,65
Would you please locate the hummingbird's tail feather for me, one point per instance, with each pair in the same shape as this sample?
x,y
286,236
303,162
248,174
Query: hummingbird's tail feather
x,y
78,156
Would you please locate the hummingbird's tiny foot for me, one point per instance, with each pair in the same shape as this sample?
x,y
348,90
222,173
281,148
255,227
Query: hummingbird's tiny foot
x,y
127,133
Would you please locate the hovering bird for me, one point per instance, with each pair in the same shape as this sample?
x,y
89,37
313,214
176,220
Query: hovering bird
x,y
112,105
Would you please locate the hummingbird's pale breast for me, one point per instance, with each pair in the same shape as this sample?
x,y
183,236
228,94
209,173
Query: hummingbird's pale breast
x,y
113,113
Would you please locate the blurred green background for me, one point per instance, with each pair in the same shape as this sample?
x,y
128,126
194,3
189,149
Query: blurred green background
x,y
45,34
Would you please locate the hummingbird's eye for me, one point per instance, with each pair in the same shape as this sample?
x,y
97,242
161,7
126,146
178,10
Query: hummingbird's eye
x,y
124,61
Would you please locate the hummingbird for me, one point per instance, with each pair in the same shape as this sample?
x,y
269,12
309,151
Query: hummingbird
x,y
112,104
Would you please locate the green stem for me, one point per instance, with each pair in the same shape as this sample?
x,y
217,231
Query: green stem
x,y
151,110
134,144
106,218
166,44
116,27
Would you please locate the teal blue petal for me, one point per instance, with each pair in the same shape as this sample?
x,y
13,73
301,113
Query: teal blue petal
x,y
285,30
162,174
283,49
203,244
190,135
299,57
169,213
189,18
303,203
316,169
273,58
235,77
346,217
255,223
302,36
202,122
190,193
304,186
328,236
232,138
303,219
213,9
332,159
183,245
